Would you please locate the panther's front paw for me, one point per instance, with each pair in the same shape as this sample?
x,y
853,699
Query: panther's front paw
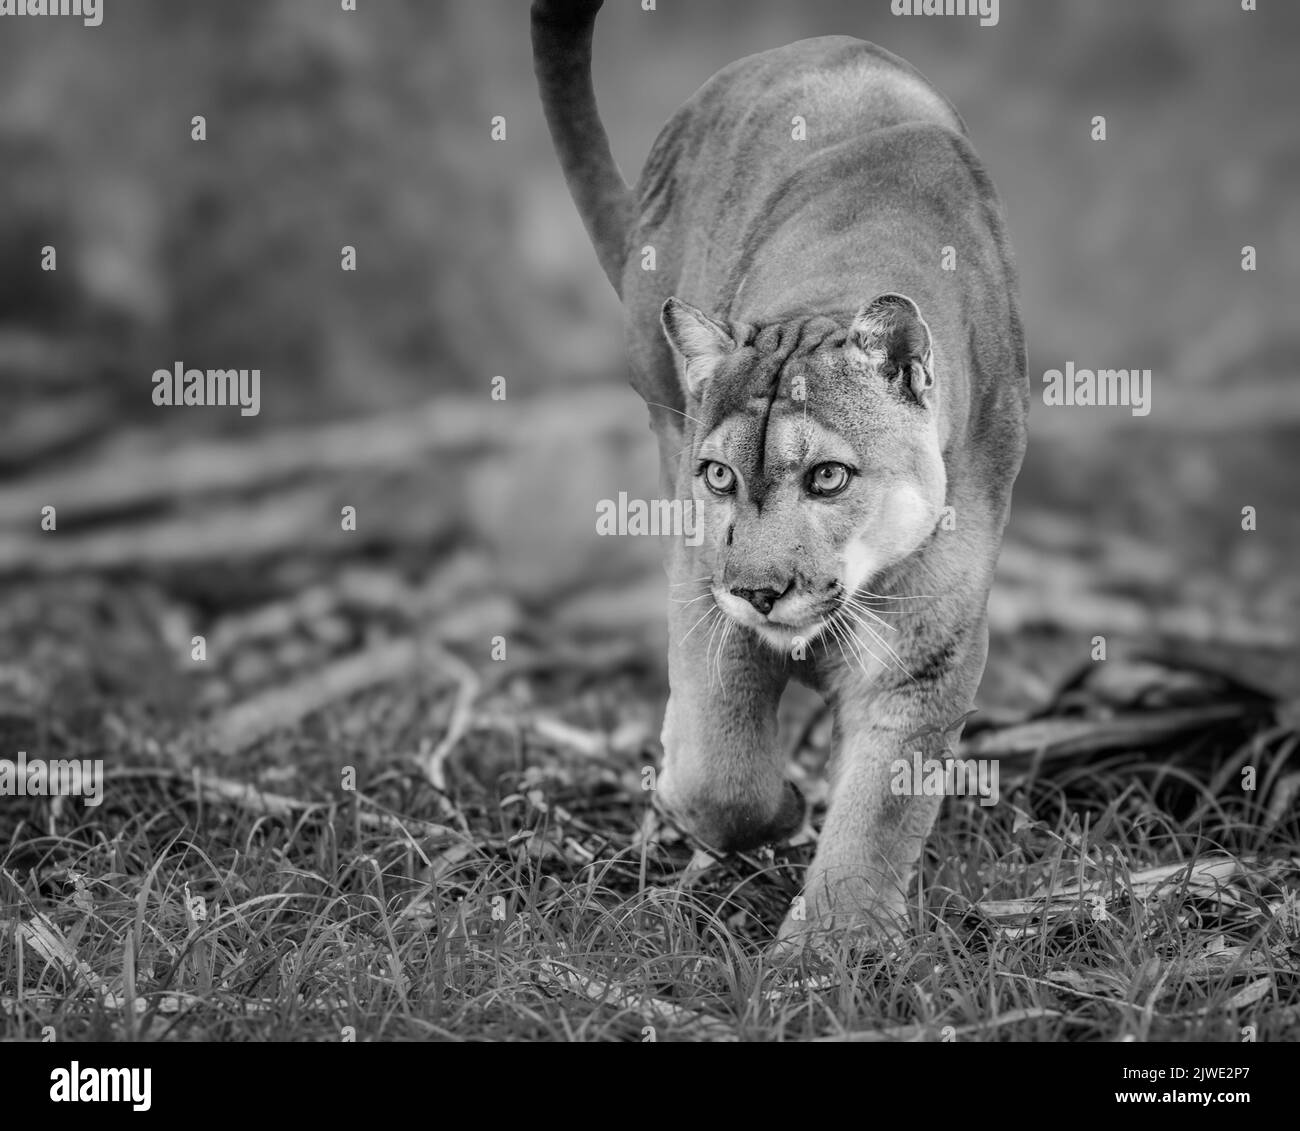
x,y
862,920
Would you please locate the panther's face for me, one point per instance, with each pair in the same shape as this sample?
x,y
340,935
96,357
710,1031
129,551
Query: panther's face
x,y
815,461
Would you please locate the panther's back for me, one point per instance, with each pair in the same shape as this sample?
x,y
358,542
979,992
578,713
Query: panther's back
x,y
744,116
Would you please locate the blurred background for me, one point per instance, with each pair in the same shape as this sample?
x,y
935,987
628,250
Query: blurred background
x,y
475,516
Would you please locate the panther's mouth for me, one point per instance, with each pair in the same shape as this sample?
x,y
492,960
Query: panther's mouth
x,y
783,629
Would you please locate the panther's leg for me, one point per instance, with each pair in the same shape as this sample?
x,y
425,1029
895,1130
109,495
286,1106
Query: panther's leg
x,y
873,836
724,770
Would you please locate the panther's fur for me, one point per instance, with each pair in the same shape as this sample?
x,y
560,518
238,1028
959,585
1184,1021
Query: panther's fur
x,y
826,391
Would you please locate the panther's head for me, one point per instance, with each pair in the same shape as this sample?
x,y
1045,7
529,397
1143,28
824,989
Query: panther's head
x,y
815,456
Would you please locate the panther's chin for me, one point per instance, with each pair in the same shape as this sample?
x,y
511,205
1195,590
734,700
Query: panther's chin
x,y
788,638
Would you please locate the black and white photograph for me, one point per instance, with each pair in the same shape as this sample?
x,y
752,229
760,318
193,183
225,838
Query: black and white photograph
x,y
637,522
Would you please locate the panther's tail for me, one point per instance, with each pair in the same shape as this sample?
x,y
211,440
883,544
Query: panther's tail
x,y
562,59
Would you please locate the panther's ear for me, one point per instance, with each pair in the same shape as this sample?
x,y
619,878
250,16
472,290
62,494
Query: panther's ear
x,y
701,341
892,337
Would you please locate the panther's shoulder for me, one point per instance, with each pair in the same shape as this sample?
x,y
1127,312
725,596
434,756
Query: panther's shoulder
x,y
838,84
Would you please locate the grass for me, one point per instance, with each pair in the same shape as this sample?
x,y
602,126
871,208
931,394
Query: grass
x,y
524,903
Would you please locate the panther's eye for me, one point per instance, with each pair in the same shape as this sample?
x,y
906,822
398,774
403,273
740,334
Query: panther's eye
x,y
719,478
829,478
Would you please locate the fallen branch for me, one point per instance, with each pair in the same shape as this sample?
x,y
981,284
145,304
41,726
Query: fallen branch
x,y
1077,736
136,473
283,708
297,521
245,795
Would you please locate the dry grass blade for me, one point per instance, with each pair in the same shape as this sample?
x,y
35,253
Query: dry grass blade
x,y
434,764
44,939
1207,878
906,1033
687,1022
1249,995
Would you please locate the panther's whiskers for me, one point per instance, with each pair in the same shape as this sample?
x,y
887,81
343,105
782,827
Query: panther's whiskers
x,y
697,624
658,404
832,626
860,649
866,627
906,597
858,606
722,643
708,647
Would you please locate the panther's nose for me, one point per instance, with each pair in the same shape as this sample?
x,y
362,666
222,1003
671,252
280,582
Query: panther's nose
x,y
761,599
